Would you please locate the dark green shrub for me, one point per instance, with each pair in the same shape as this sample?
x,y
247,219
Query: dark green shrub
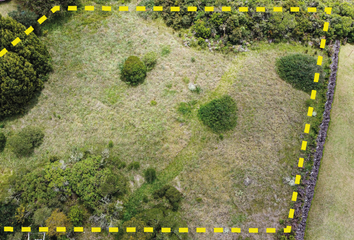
x,y
219,114
192,59
76,215
2,141
22,69
134,71
134,165
171,194
24,142
299,70
53,159
150,60
110,144
43,7
27,18
150,175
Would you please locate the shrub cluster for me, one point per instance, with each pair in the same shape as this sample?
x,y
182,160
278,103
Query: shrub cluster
x,y
27,19
24,142
150,175
23,69
219,114
299,70
2,141
134,71
171,194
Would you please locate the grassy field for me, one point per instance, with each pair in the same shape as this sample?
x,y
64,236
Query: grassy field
x,y
6,7
332,215
85,105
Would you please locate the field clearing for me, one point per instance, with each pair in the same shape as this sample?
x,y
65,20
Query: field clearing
x,y
85,105
6,7
332,215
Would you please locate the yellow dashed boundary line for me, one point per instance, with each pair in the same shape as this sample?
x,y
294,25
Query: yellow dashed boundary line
x,y
191,9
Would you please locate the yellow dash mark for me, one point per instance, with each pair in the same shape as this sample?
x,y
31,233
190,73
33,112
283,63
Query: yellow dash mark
x,y
218,230
3,52
325,26
294,197
209,9
165,230
175,9
301,162
277,9
243,9
148,229
61,229
260,9
200,230
271,230
294,9
307,128
297,179
8,229
131,229
183,230
55,9
78,229
192,9
313,94
113,229
323,43
89,8
311,9
310,111
328,10
72,8
317,77
319,60
236,230
303,145
43,229
17,40
106,8
253,230
158,8
123,8
287,229
140,8
42,19
96,229
26,229
226,9
291,213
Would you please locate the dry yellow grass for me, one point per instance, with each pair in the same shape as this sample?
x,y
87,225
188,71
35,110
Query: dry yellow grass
x,y
6,7
332,215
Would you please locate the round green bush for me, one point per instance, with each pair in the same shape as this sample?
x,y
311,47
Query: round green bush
x,y
134,71
150,175
23,69
2,142
27,18
219,114
24,142
299,70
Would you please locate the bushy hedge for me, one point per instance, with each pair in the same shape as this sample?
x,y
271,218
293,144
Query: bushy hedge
x,y
24,142
2,141
299,70
134,71
23,69
235,28
27,18
43,7
219,114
